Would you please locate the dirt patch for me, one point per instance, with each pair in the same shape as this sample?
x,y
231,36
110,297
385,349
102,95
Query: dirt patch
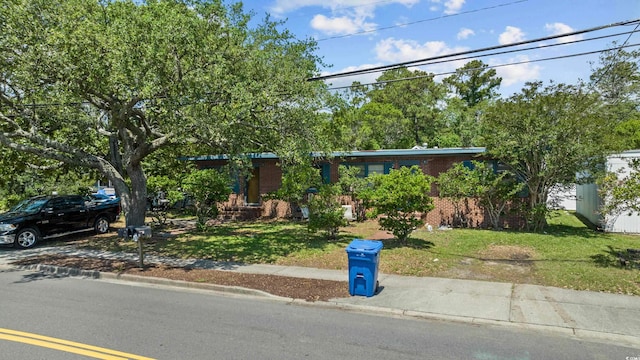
x,y
508,253
381,235
507,263
291,287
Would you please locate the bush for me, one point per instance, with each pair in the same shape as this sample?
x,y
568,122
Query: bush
x,y
297,179
398,196
163,193
207,188
325,211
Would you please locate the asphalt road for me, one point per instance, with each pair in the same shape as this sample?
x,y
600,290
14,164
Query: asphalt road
x,y
125,320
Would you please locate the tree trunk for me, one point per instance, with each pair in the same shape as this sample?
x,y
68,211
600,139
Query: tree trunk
x,y
537,210
134,201
137,206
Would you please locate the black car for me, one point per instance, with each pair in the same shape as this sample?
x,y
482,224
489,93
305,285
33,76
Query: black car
x,y
44,217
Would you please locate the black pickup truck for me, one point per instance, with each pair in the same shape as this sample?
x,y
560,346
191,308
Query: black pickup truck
x,y
45,217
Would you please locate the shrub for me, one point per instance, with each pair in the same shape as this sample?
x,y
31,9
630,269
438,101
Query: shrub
x,y
325,211
398,197
207,188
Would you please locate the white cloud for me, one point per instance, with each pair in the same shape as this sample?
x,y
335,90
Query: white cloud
x,y
281,7
560,28
450,6
511,35
340,25
397,50
464,33
513,74
346,16
453,6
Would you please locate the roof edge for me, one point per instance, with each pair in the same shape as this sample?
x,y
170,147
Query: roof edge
x,y
358,153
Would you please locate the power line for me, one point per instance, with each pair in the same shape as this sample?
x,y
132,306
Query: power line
x,y
516,50
488,67
421,21
448,56
609,65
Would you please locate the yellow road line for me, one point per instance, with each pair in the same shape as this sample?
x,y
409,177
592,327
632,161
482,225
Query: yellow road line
x,y
67,346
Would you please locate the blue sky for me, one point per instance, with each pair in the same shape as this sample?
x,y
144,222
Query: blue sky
x,y
358,34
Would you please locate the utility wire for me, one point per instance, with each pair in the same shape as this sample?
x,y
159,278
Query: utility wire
x,y
446,58
515,50
488,67
609,65
412,62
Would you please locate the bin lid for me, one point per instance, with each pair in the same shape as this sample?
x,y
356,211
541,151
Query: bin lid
x,y
364,245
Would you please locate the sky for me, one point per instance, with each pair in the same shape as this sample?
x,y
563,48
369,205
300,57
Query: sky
x,y
359,34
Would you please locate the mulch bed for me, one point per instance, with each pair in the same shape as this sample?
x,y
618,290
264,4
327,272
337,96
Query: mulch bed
x,y
291,287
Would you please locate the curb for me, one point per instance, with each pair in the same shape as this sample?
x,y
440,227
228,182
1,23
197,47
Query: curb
x,y
581,334
97,275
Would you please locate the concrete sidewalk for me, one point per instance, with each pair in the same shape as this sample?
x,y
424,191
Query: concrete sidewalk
x,y
582,314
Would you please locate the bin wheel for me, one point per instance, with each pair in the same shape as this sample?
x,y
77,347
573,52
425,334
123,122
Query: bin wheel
x,y
377,286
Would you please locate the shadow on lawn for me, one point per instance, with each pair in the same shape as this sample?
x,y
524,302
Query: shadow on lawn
x,y
571,231
617,257
246,242
413,243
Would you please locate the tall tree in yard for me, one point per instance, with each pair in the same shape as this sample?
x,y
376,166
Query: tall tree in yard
x,y
546,135
104,84
416,95
617,80
475,86
474,83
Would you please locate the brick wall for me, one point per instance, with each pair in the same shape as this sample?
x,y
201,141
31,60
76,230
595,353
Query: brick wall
x,y
444,212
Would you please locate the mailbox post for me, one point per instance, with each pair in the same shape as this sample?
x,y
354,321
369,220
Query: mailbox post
x,y
136,233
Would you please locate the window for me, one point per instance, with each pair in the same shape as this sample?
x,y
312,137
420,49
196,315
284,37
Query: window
x,y
56,204
362,168
408,163
374,168
75,201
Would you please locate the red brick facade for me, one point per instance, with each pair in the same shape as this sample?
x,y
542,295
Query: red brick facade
x,y
432,163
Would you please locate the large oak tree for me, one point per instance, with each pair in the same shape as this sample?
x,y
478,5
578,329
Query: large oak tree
x,y
104,84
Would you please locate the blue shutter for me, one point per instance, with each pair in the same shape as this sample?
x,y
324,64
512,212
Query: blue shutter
x,y
387,167
326,173
235,188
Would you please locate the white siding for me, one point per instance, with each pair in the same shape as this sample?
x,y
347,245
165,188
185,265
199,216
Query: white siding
x,y
563,197
588,201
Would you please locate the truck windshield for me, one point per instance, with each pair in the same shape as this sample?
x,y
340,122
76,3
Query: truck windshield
x,y
29,205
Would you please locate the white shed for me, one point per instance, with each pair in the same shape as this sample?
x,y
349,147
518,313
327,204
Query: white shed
x,y
588,201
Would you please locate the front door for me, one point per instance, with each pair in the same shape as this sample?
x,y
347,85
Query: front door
x,y
253,187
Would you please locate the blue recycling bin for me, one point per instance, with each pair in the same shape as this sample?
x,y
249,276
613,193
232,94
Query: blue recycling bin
x,y
364,256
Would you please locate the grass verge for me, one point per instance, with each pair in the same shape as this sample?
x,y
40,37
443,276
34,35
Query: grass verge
x,y
567,255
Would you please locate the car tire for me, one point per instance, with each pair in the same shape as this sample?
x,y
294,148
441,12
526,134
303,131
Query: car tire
x,y
27,238
101,225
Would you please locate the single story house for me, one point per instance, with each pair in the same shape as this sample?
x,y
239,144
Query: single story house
x,y
589,202
248,201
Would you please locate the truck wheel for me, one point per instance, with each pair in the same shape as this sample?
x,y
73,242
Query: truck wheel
x,y
26,238
101,226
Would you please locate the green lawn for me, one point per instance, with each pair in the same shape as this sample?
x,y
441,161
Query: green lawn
x,y
568,254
